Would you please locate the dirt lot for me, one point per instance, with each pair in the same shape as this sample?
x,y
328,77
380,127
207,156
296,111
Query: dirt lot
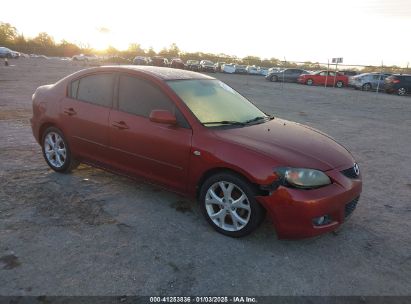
x,y
94,233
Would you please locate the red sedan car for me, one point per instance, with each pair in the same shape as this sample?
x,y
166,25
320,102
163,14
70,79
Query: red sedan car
x,y
321,77
195,135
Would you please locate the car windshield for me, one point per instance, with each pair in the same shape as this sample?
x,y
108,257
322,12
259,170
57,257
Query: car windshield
x,y
215,103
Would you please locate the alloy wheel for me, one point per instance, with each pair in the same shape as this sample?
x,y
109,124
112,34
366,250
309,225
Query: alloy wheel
x,y
227,206
366,87
402,91
55,149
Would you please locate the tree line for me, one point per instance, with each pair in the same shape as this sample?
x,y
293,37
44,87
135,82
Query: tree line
x,y
44,44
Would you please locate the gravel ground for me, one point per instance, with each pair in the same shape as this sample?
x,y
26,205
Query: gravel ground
x,y
95,233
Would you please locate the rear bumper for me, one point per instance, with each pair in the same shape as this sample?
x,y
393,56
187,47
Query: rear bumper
x,y
292,210
208,69
35,128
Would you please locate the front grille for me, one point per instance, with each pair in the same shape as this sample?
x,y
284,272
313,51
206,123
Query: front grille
x,y
350,207
350,173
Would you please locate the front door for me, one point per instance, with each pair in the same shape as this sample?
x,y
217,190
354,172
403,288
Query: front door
x,y
155,151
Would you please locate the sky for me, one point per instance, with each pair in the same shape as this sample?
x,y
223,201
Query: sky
x,y
366,32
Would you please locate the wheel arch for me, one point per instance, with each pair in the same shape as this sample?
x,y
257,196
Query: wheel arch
x,y
44,126
218,170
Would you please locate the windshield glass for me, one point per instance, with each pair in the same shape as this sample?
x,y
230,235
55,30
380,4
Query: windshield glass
x,y
214,101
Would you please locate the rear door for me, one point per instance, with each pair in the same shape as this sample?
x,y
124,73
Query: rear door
x,y
139,146
84,115
378,81
288,74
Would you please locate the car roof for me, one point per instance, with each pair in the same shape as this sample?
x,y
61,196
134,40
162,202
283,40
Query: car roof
x,y
163,73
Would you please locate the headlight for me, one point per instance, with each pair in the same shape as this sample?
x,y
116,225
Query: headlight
x,y
302,178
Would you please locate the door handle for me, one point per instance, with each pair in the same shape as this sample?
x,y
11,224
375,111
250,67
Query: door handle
x,y
121,125
69,111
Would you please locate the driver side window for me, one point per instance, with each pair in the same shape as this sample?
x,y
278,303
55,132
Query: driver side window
x,y
139,97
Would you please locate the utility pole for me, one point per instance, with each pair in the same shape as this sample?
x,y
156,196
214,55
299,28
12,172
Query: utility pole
x,y
379,78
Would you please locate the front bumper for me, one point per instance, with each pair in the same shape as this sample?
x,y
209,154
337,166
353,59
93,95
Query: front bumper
x,y
292,210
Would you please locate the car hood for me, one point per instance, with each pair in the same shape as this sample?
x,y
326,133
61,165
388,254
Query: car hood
x,y
290,144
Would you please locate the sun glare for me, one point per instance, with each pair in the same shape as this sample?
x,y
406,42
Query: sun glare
x,y
297,30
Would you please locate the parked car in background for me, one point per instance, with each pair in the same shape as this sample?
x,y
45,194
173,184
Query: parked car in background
x,y
26,56
274,69
368,81
177,63
159,61
7,53
196,136
349,73
252,70
263,71
193,65
207,66
141,60
85,57
228,68
219,66
398,83
287,75
240,69
323,77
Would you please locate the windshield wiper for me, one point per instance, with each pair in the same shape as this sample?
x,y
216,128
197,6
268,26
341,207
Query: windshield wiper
x,y
225,122
258,118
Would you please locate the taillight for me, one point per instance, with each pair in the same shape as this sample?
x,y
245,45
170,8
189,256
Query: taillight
x,y
392,80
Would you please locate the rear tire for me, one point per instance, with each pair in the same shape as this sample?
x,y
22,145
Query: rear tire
x,y
402,91
56,151
339,84
228,203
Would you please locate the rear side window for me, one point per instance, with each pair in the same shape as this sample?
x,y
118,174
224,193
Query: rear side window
x,y
96,89
139,97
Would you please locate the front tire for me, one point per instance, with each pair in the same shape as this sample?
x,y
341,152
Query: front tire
x,y
228,203
274,78
56,151
309,82
366,87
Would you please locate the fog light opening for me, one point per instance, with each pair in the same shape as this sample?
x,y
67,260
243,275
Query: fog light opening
x,y
322,220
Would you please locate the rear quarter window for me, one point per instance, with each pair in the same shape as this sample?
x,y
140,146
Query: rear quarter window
x,y
72,91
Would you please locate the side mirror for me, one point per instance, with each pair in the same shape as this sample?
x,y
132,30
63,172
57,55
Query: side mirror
x,y
163,116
